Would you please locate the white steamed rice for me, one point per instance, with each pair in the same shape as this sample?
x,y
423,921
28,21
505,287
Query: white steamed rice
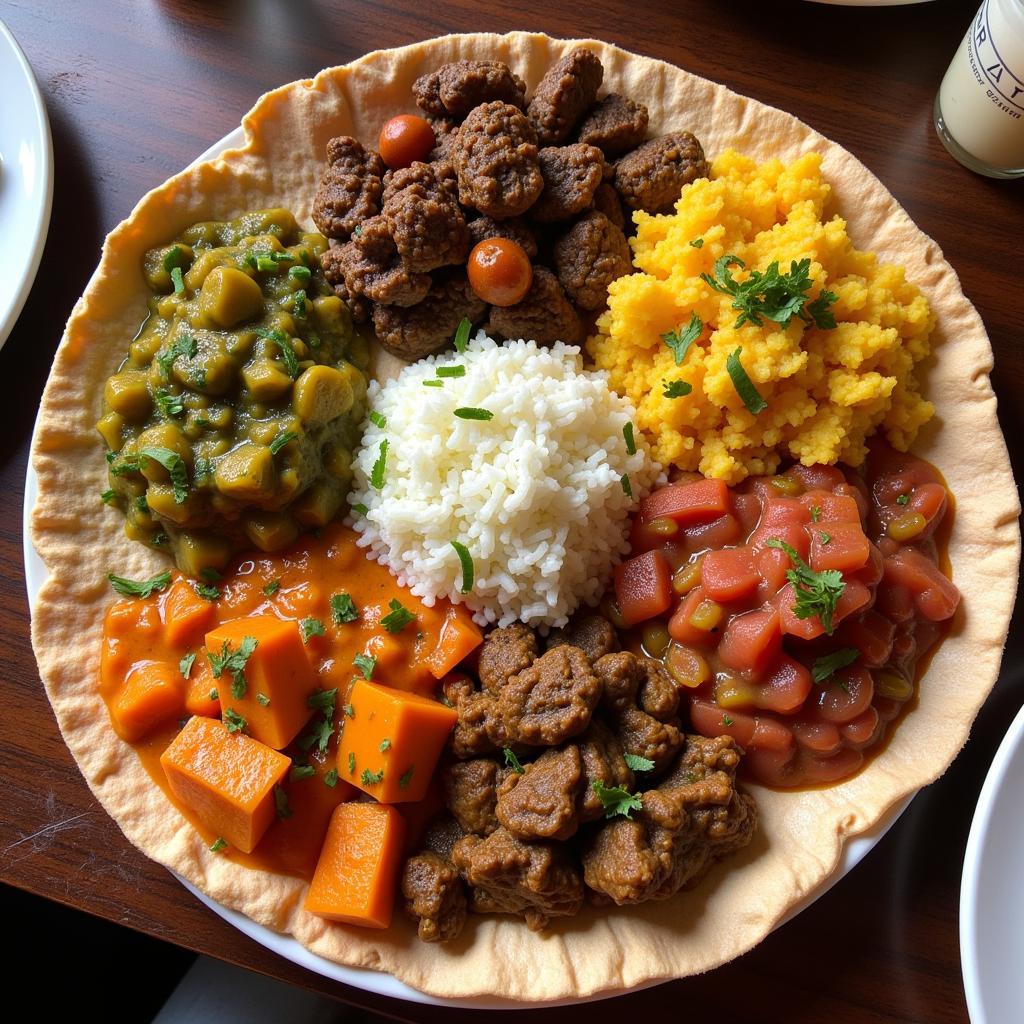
x,y
535,493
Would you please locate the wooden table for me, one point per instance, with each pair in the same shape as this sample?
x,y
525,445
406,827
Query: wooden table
x,y
135,91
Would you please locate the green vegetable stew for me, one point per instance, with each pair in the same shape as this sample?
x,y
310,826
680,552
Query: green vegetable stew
x,y
232,422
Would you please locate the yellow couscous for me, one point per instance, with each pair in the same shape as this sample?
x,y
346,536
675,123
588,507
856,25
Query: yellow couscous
x,y
826,389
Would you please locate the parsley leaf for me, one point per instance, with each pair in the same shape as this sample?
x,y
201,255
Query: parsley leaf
x,y
301,771
186,663
744,386
817,593
218,844
141,588
234,721
108,496
616,800
207,590
366,663
680,340
263,700
697,243
398,618
676,388
233,662
351,763
176,280
183,345
319,735
343,609
902,499
403,782
369,778
272,588
825,667
513,762
377,473
323,701
311,627
385,745
169,405
175,466
815,513
637,763
281,804
331,778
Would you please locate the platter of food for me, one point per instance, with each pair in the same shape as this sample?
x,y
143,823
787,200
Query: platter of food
x,y
508,571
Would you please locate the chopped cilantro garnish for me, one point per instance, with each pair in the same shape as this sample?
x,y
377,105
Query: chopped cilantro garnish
x,y
141,505
286,437
350,712
263,700
466,561
826,538
824,668
301,274
281,804
331,778
513,762
451,371
301,771
815,513
319,735
233,662
362,509
266,264
377,420
462,335
817,593
140,588
902,499
366,663
726,721
369,778
323,701
351,763
169,405
627,487
218,844
676,388
207,590
210,574
385,745
377,473
108,496
469,413
272,588
343,609
433,383
299,305
234,721
616,800
403,782
175,466
311,627
638,763
184,345
697,243
186,663
744,385
627,433
398,618
176,280
174,257
288,357
214,694
680,340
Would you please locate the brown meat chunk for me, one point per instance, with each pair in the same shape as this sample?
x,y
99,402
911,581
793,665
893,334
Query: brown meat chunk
x,y
504,653
658,694
430,325
350,188
620,675
552,700
545,314
371,268
606,201
702,756
541,802
593,634
496,161
442,156
434,896
680,832
510,876
564,93
454,89
603,761
421,207
571,176
514,228
614,124
652,176
588,257
471,793
644,736
479,729
442,834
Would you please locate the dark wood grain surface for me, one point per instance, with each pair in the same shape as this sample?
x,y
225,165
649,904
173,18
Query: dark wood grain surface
x,y
135,91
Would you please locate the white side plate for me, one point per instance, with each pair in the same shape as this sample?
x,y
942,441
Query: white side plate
x,y
26,180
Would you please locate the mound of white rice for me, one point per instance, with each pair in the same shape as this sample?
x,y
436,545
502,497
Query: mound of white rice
x,y
535,493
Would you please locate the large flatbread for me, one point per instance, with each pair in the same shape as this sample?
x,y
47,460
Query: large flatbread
x,y
802,833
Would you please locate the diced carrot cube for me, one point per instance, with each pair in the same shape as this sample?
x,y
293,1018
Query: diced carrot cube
x,y
784,512
643,587
226,779
831,508
151,695
681,627
786,687
838,545
278,677
750,640
391,741
357,874
729,574
460,636
186,615
695,502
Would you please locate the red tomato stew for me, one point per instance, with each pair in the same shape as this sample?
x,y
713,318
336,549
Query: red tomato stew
x,y
794,610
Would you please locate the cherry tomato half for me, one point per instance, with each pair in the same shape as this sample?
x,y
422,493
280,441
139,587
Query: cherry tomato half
x,y
404,140
499,271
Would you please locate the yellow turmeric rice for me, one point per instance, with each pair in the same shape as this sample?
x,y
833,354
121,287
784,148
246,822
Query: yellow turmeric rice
x,y
826,390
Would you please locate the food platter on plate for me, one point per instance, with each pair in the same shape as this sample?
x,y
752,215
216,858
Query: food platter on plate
x,y
218,275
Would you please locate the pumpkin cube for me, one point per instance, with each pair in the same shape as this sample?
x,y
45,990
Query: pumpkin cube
x,y
151,695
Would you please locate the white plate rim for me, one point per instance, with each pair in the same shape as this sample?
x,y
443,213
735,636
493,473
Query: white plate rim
x,y
853,850
41,213
973,878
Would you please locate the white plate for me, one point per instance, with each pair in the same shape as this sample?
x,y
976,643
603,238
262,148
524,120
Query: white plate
x,y
373,981
26,180
992,891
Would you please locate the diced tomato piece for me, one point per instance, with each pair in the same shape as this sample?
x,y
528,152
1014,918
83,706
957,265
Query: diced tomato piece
x,y
858,491
854,597
709,719
832,508
747,509
846,695
682,630
821,737
687,504
860,731
794,535
728,574
838,545
770,734
643,587
817,478
786,686
751,640
935,597
784,512
871,634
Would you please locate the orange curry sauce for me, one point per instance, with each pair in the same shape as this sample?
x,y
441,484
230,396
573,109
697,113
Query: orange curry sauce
x,y
154,634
